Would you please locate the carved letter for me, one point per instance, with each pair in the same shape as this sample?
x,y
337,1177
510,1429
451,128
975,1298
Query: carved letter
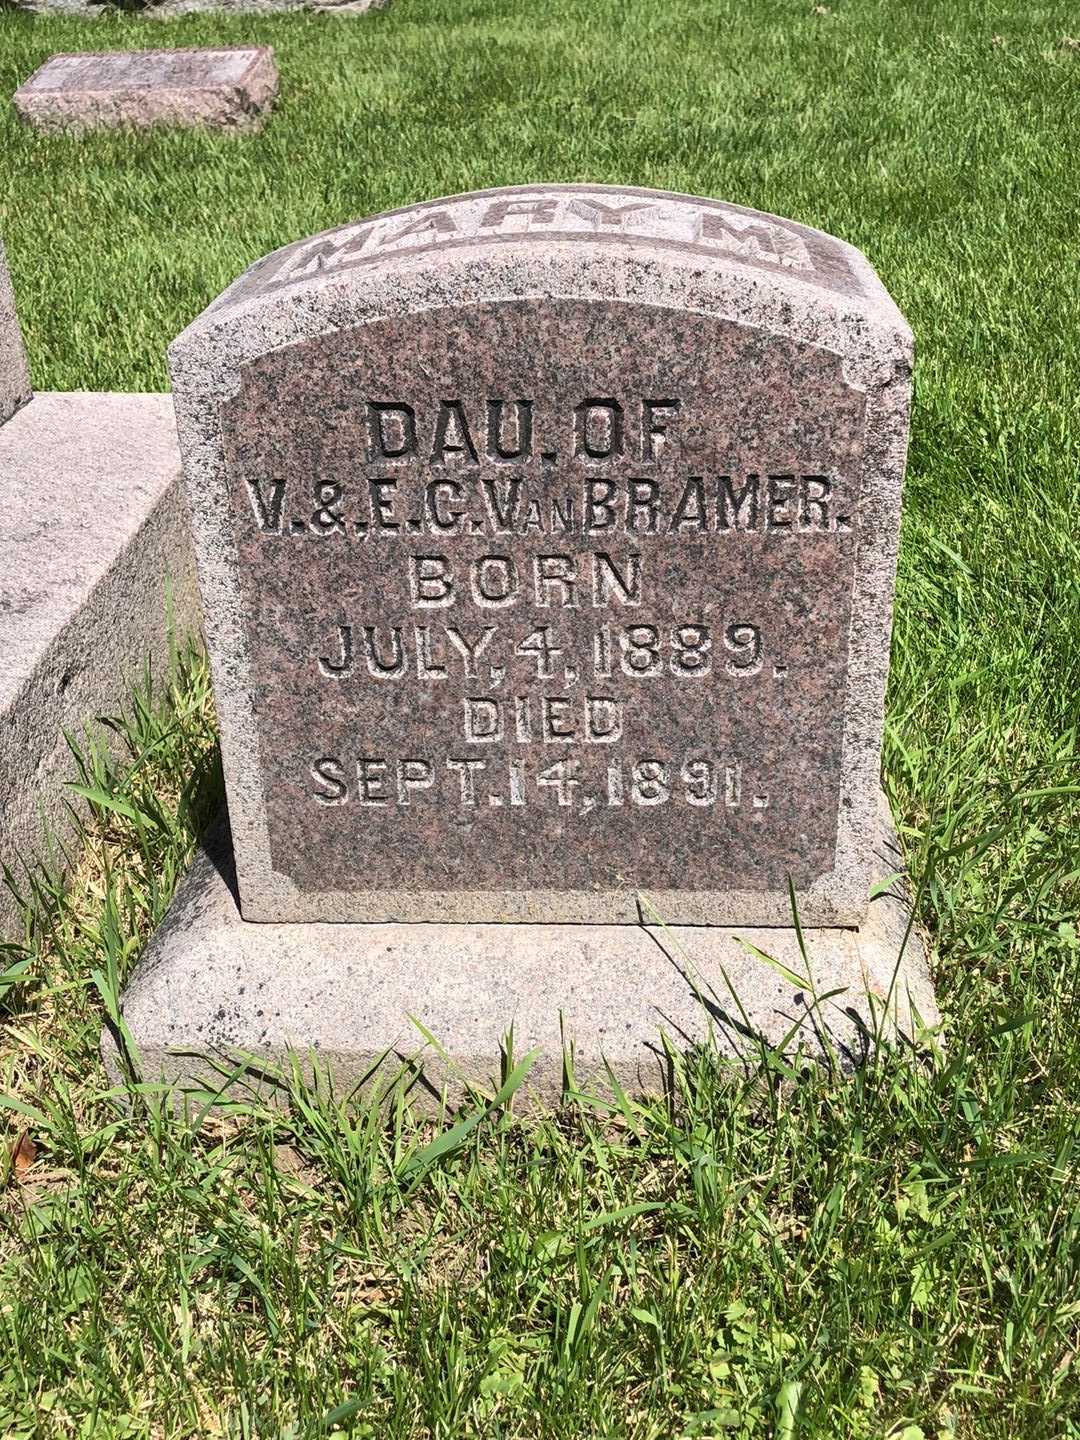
x,y
483,720
338,669
431,225
267,514
430,581
731,506
655,415
499,211
608,584
323,770
523,421
452,434
391,430
598,432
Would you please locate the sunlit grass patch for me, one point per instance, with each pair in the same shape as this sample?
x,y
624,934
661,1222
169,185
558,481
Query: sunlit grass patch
x,y
887,1254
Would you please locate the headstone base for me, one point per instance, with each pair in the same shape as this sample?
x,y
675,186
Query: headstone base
x,y
213,985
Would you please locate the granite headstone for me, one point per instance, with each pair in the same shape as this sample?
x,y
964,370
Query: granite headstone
x,y
226,88
14,372
97,581
547,539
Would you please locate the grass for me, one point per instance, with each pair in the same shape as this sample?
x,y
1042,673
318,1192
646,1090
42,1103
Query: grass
x,y
894,1255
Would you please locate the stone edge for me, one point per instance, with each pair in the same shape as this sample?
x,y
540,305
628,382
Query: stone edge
x,y
256,51
15,387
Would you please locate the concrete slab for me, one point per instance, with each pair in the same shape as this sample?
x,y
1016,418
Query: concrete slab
x,y
213,985
93,528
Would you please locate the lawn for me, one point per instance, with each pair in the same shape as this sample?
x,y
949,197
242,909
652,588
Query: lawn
x,y
758,1254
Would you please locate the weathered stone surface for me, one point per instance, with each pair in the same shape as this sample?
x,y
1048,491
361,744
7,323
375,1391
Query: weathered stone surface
x,y
226,88
171,9
211,984
547,540
346,7
14,372
93,529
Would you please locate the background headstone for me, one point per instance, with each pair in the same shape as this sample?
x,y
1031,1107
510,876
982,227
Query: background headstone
x,y
96,541
226,88
14,372
547,540
171,9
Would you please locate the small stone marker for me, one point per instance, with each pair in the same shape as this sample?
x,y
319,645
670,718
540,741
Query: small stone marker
x,y
226,88
14,373
548,538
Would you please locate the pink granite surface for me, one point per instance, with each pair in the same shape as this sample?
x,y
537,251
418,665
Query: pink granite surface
x,y
547,541
230,88
14,373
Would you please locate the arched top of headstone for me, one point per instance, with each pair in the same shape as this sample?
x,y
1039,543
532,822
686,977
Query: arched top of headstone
x,y
613,242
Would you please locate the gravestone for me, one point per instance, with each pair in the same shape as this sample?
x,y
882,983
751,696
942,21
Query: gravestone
x,y
98,582
14,373
551,560
226,88
172,9
547,539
